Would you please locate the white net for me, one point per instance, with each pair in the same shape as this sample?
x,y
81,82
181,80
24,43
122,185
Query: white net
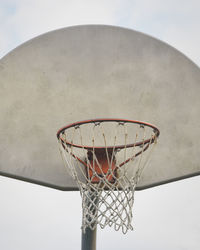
x,y
107,170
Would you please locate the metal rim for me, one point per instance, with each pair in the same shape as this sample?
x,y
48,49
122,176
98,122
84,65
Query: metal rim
x,y
100,120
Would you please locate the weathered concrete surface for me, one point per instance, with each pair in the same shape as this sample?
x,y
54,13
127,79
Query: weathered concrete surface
x,y
95,71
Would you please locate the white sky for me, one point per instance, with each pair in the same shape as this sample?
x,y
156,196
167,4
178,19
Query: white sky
x,y
34,217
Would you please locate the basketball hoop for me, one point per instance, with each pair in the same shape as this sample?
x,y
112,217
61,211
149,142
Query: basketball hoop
x,y
106,158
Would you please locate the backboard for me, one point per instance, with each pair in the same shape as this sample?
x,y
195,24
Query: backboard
x,y
95,71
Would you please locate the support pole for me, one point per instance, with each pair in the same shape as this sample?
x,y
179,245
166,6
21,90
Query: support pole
x,y
89,239
89,236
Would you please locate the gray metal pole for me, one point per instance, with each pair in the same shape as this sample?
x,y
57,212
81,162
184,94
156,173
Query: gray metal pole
x,y
89,239
89,236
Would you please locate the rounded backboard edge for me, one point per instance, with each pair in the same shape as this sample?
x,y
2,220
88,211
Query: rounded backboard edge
x,y
96,25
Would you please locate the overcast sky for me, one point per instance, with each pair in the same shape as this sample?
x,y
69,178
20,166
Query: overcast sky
x,y
34,217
